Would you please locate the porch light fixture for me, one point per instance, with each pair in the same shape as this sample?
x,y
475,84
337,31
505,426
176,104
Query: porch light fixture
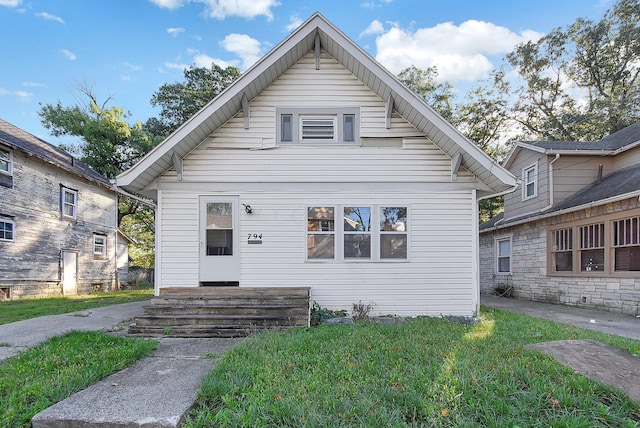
x,y
247,208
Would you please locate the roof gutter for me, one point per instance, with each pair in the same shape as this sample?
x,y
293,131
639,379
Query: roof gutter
x,y
132,196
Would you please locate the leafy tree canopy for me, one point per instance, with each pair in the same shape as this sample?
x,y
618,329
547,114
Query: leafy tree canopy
x,y
181,100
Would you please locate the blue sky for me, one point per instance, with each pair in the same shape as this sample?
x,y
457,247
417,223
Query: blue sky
x,y
126,49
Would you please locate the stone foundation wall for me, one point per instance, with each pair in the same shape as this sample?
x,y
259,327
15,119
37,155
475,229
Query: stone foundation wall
x,y
16,290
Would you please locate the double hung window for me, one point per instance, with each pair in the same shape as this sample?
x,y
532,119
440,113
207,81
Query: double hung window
x,y
369,232
503,246
530,178
626,243
69,202
99,245
562,250
592,247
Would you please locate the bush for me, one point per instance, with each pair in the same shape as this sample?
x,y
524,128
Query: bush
x,y
319,314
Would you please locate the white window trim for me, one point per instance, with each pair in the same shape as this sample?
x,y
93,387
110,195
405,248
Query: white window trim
x,y
497,246
63,191
10,152
338,114
13,229
97,236
533,167
375,234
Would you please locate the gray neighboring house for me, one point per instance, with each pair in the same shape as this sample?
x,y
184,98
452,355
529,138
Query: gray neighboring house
x,y
571,233
58,222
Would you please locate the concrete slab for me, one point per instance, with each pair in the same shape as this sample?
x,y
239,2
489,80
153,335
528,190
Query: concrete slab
x,y
157,391
597,361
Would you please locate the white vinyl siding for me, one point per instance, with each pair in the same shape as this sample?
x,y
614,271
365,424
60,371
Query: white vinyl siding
x,y
438,278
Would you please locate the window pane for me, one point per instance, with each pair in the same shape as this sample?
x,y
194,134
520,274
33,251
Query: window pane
x,y
286,130
320,219
4,160
592,260
628,258
320,246
357,245
357,219
504,264
563,261
69,210
219,242
393,219
69,197
349,127
219,215
504,248
393,246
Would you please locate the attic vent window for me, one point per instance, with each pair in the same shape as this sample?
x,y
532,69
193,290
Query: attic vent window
x,y
318,126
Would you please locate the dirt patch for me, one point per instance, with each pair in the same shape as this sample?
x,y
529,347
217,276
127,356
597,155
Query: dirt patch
x,y
597,361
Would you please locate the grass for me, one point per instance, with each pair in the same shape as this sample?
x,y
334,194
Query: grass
x,y
41,376
427,372
18,310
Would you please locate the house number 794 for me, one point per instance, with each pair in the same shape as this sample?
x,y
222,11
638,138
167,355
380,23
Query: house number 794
x,y
254,236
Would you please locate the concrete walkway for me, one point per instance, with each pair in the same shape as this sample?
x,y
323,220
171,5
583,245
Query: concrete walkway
x,y
602,321
156,391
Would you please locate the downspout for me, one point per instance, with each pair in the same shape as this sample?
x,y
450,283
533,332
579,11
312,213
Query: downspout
x,y
116,284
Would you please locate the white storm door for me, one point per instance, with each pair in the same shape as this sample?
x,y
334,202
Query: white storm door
x,y
219,239
69,273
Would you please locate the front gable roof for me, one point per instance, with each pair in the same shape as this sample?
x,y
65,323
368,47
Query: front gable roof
x,y
489,173
18,139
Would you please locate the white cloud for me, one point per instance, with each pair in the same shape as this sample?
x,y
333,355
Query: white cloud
x,y
169,4
294,22
70,55
10,3
49,17
23,95
375,27
459,52
175,32
221,9
34,85
132,67
176,66
247,48
203,60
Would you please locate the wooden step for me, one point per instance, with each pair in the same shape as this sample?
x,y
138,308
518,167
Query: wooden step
x,y
222,311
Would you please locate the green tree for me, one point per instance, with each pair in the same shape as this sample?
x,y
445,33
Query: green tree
x,y
181,100
581,83
109,144
425,84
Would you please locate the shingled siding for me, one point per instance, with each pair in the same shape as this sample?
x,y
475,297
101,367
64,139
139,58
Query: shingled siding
x,y
529,277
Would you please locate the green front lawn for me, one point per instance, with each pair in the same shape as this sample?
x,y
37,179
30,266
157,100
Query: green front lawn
x,y
50,372
18,310
427,372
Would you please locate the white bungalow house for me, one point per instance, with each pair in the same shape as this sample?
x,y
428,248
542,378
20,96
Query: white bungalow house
x,y
318,168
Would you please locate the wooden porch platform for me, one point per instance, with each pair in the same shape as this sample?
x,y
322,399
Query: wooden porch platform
x,y
222,311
